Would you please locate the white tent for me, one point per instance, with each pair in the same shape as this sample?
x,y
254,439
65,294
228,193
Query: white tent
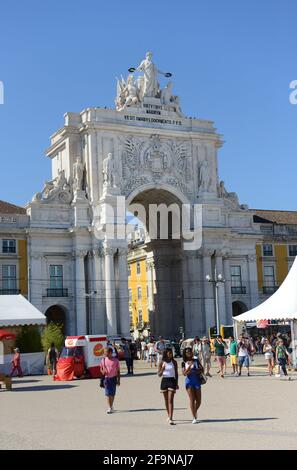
x,y
16,310
282,305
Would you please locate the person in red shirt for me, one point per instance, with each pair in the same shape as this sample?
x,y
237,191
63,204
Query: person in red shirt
x,y
110,368
16,363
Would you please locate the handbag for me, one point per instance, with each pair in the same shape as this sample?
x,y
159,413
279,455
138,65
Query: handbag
x,y
200,372
102,379
203,379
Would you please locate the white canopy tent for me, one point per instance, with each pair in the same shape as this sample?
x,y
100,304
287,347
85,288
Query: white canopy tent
x,y
16,310
282,305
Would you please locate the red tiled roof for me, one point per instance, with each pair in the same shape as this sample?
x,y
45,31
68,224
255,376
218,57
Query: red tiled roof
x,y
279,217
7,208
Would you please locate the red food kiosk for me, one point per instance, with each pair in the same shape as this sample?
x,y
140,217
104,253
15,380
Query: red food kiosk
x,y
81,356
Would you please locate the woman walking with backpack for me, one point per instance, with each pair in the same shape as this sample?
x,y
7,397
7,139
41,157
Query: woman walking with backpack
x,y
192,370
169,383
52,359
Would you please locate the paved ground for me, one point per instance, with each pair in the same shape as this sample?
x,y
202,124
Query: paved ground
x,y
237,413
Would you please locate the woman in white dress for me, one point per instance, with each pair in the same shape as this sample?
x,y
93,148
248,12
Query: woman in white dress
x,y
267,350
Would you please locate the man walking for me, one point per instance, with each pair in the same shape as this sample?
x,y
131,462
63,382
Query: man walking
x,y
233,355
205,355
243,354
127,355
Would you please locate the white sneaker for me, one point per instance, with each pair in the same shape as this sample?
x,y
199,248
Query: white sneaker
x,y
109,411
277,375
195,421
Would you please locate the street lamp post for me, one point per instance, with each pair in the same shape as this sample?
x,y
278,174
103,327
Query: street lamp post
x,y
216,281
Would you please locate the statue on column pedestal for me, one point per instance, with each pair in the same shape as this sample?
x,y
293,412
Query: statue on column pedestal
x,y
204,176
78,175
109,172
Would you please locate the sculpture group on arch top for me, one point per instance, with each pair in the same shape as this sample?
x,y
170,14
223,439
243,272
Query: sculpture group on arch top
x,y
149,160
132,92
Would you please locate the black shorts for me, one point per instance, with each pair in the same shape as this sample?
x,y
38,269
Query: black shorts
x,y
168,383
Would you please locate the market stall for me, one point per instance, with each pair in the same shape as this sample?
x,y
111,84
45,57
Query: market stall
x,y
16,311
281,306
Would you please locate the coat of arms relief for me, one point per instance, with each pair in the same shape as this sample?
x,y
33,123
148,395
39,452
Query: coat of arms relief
x,y
155,160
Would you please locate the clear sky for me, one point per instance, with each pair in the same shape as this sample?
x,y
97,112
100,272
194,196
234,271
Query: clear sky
x,y
232,63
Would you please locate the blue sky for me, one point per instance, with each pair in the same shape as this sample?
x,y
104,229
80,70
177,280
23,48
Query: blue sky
x,y
232,62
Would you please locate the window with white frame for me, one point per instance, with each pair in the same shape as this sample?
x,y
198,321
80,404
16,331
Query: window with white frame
x,y
131,319
139,316
9,281
56,276
236,276
139,293
269,278
292,250
267,249
8,246
138,268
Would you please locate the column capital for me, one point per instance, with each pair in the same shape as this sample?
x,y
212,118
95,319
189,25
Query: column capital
x,y
36,255
207,252
79,253
226,252
123,251
251,257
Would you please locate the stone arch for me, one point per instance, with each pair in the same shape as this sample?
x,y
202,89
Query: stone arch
x,y
164,261
57,314
238,307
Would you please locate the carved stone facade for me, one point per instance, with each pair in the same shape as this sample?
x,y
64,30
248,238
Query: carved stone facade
x,y
144,150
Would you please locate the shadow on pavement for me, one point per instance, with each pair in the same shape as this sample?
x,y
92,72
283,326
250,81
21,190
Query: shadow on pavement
x,y
146,409
42,388
234,420
227,420
21,381
141,374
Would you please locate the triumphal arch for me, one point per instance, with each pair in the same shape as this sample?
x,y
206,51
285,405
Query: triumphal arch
x,y
141,153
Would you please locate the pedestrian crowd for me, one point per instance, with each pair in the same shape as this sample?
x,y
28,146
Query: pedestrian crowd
x,y
197,356
196,363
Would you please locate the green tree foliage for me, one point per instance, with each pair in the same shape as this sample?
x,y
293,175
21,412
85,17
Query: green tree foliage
x,y
29,339
52,333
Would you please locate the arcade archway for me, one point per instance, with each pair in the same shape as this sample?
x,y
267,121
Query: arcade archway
x,y
238,307
162,248
56,314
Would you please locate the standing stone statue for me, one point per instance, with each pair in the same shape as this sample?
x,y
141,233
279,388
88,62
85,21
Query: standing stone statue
x,y
78,174
150,84
204,176
109,171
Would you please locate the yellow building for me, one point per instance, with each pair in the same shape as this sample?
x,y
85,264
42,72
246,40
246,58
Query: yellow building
x,y
276,253
13,250
138,289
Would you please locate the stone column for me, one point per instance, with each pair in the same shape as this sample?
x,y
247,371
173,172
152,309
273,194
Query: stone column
x,y
97,302
193,294
110,291
123,292
151,304
253,280
35,280
210,319
80,293
221,290
228,297
186,293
